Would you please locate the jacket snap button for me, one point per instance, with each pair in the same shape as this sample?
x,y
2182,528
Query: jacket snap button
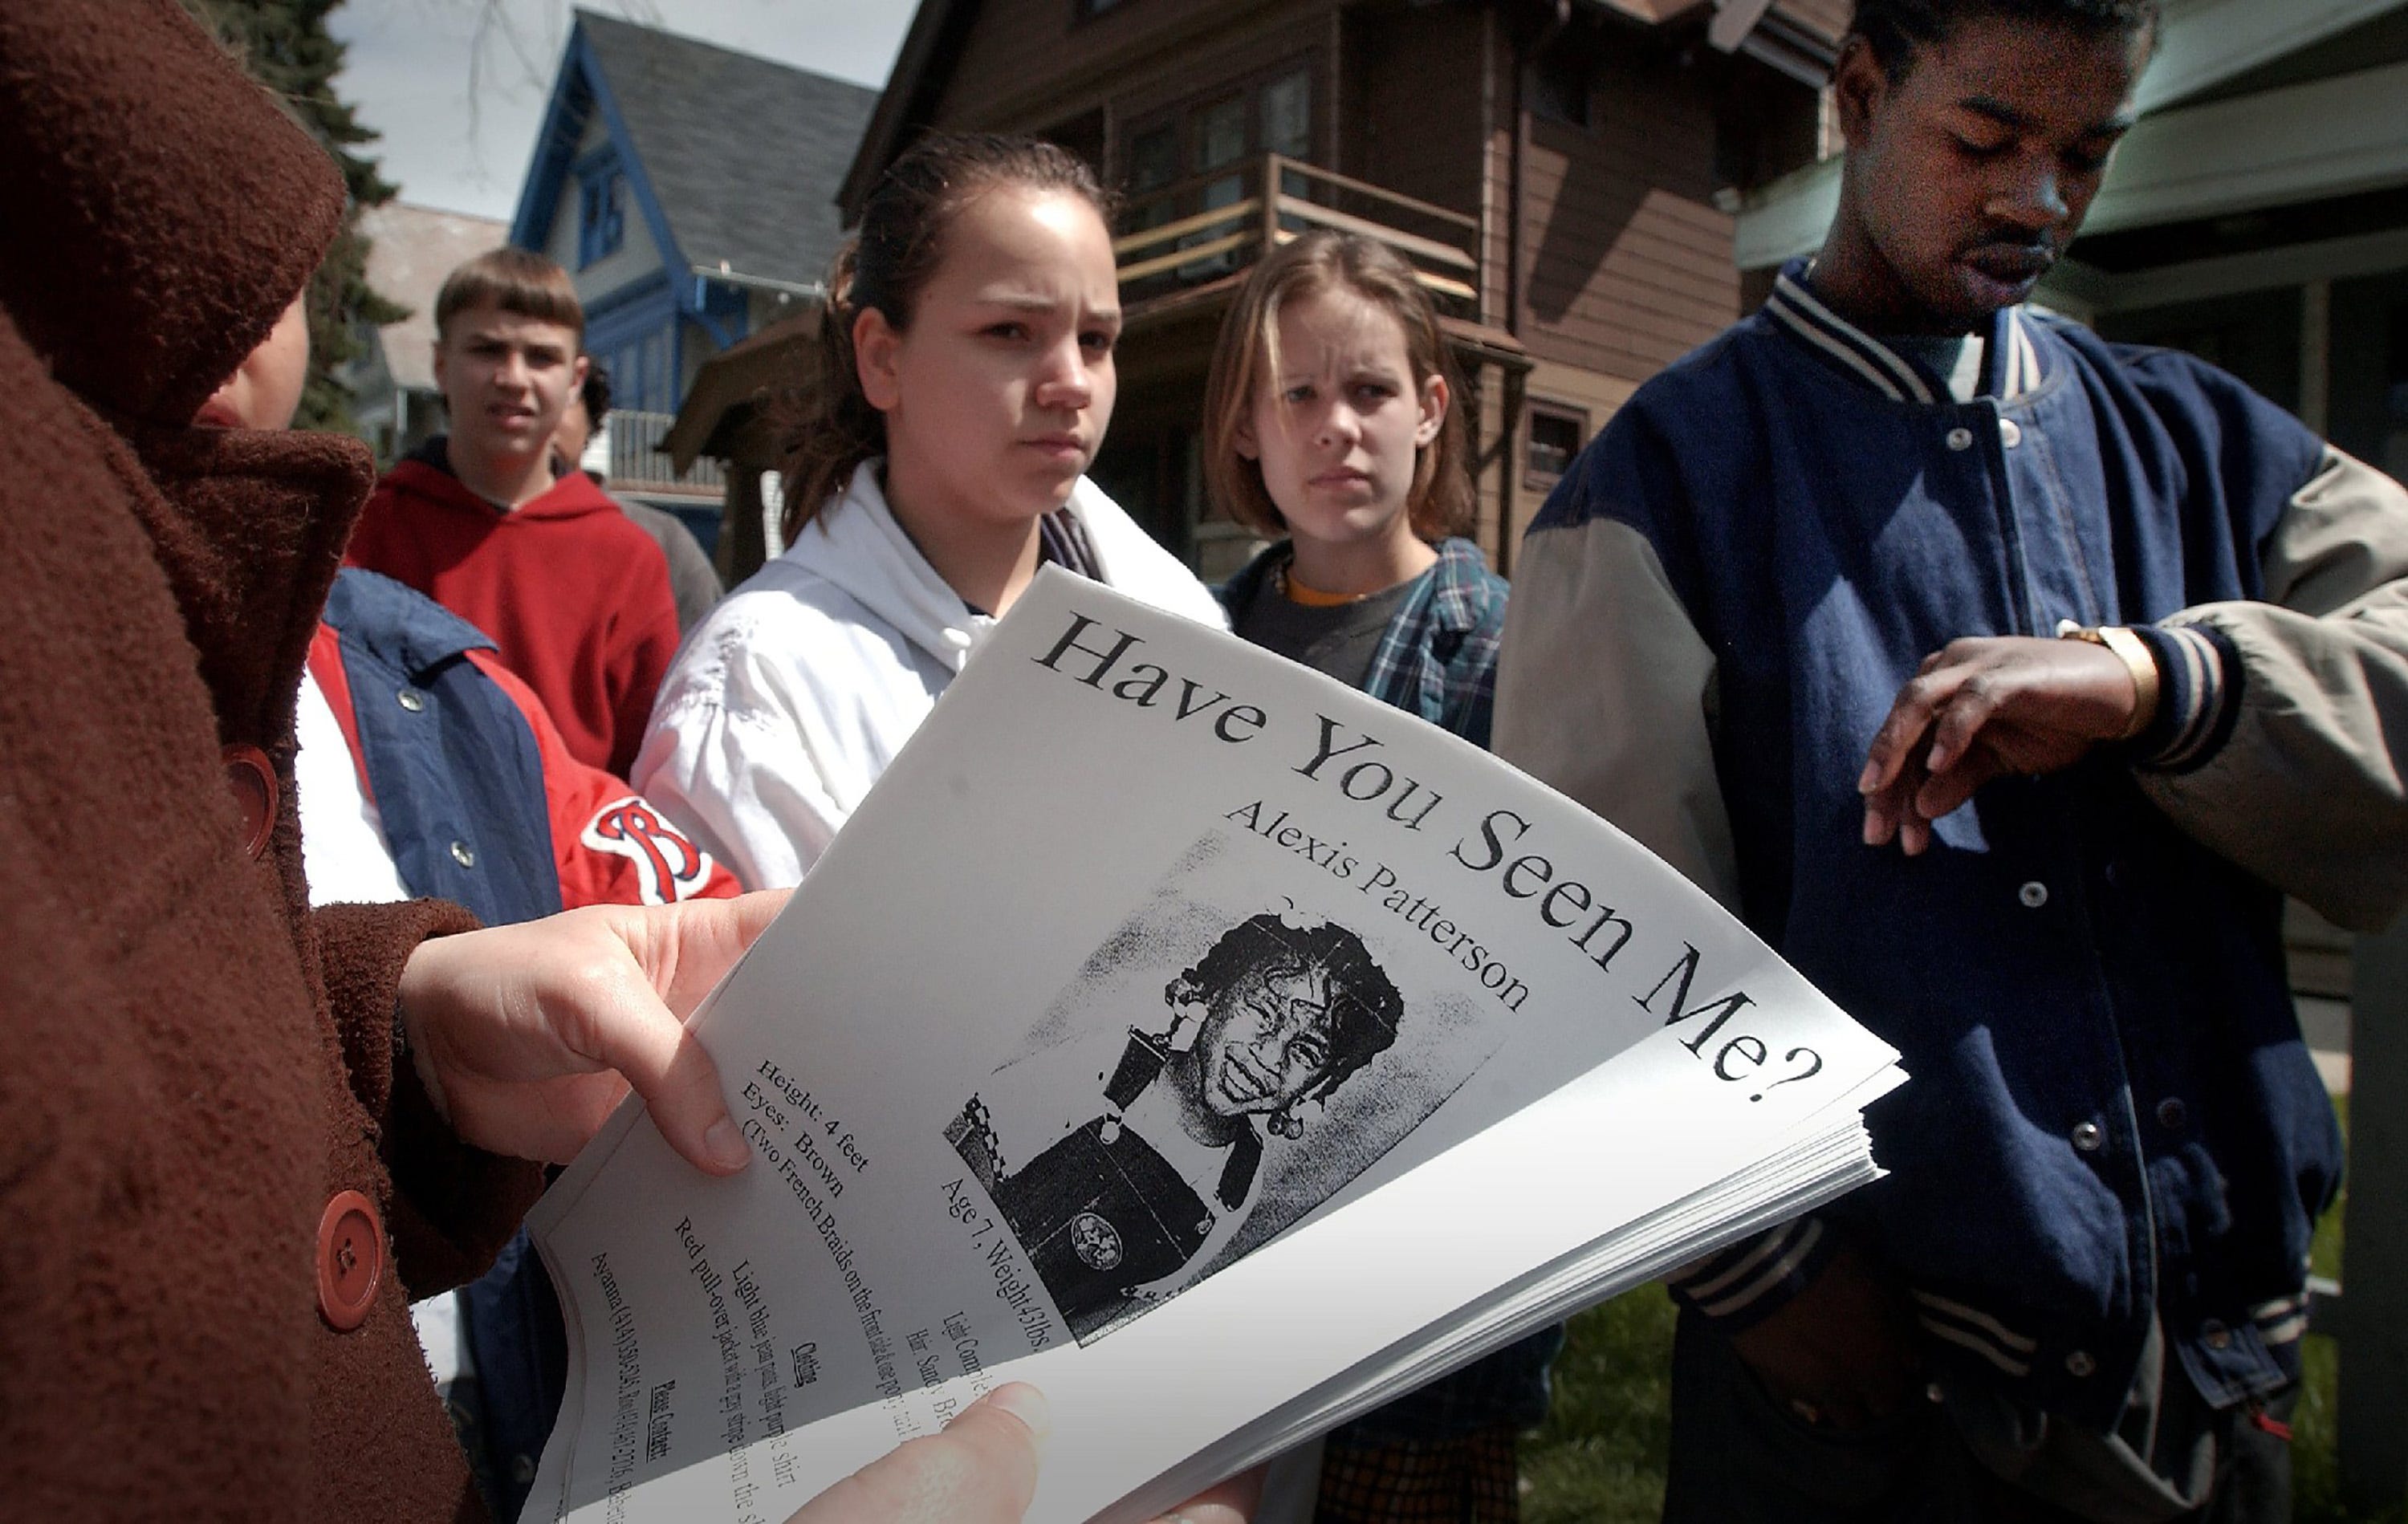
x,y
2171,1114
2034,894
1960,439
2079,1363
251,779
461,855
2011,433
410,699
2214,1335
351,1261
2088,1137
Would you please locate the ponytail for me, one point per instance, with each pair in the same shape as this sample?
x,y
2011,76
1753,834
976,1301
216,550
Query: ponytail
x,y
832,428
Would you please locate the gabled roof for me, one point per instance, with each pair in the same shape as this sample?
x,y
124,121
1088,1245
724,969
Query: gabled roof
x,y
740,155
410,249
924,66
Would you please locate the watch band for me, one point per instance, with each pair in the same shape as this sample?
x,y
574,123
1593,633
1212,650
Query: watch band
x,y
2134,653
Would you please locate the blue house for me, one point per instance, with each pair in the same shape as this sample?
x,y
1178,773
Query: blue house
x,y
691,192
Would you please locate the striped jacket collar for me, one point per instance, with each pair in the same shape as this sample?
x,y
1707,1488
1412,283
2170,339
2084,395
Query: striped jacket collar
x,y
2010,367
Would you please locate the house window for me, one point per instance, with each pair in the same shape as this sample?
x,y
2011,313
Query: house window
x,y
1203,157
601,212
660,388
1221,134
1287,115
1556,435
1153,158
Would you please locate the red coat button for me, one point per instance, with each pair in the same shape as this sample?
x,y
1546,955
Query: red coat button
x,y
350,1259
250,777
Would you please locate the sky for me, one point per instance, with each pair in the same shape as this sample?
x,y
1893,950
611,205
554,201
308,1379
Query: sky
x,y
412,63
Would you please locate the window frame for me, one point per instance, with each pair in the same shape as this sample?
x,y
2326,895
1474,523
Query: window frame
x,y
1533,410
1183,116
601,207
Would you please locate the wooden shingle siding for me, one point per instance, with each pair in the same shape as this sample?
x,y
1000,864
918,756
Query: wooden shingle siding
x,y
1025,64
1414,114
1017,43
1626,263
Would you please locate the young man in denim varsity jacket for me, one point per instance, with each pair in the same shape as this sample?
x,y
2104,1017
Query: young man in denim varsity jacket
x,y
1797,620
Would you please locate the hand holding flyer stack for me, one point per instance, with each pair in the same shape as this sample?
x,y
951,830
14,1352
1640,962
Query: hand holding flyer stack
x,y
1170,1008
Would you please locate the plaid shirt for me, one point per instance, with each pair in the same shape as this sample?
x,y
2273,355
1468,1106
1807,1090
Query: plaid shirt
x,y
1438,656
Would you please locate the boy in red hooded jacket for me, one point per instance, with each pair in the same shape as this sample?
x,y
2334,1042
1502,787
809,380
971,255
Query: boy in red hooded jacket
x,y
577,597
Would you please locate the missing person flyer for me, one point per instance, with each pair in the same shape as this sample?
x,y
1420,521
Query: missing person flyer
x,y
1147,1035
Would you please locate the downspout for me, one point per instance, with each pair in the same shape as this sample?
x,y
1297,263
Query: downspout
x,y
1507,404
1488,160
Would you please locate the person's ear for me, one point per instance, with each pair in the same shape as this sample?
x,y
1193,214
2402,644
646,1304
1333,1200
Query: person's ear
x,y
1859,85
1435,401
876,347
1242,440
577,375
441,364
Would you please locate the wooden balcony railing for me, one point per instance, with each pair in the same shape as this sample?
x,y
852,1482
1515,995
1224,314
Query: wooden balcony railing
x,y
1276,198
637,463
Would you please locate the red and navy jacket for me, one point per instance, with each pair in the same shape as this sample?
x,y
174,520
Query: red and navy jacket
x,y
481,800
483,803
574,595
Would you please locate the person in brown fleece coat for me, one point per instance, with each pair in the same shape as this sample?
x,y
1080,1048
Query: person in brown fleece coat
x,y
230,1128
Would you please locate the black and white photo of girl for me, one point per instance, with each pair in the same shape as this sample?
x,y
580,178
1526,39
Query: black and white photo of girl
x,y
1270,1058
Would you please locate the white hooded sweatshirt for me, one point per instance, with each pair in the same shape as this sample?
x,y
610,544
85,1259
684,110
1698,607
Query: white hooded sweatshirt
x,y
787,701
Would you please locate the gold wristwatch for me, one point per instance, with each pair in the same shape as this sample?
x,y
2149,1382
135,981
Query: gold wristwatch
x,y
2134,653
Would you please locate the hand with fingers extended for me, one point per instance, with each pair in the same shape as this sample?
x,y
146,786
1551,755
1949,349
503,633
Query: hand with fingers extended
x,y
1981,708
526,1036
1842,1354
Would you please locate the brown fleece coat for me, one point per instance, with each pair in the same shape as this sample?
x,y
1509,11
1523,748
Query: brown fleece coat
x,y
192,1064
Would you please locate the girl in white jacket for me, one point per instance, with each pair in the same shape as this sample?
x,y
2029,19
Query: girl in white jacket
x,y
967,380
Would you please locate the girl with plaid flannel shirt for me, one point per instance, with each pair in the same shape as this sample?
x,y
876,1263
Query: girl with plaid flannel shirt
x,y
1329,420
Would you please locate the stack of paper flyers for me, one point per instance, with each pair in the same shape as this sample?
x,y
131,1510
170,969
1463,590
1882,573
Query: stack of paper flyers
x,y
1217,1048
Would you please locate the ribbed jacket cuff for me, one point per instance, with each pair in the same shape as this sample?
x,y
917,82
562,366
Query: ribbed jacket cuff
x,y
1750,1281
2199,696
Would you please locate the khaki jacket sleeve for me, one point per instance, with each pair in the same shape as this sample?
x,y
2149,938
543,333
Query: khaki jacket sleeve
x,y
1606,690
2302,704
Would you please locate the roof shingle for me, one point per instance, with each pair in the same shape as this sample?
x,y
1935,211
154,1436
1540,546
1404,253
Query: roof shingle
x,y
743,154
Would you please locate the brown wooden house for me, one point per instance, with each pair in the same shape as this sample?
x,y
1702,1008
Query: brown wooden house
x,y
1551,167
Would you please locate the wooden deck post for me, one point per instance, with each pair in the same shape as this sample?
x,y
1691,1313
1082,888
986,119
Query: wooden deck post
x,y
2374,1396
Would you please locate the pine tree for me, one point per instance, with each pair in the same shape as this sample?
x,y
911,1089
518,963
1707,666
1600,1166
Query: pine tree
x,y
286,46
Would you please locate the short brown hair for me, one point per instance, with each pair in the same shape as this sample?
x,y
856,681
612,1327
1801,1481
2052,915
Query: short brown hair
x,y
1440,503
515,281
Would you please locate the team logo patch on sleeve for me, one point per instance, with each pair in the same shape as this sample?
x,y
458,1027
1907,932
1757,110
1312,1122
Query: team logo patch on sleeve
x,y
669,867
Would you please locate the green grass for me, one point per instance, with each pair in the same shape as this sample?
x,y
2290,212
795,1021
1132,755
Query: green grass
x,y
1600,1455
1599,1458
